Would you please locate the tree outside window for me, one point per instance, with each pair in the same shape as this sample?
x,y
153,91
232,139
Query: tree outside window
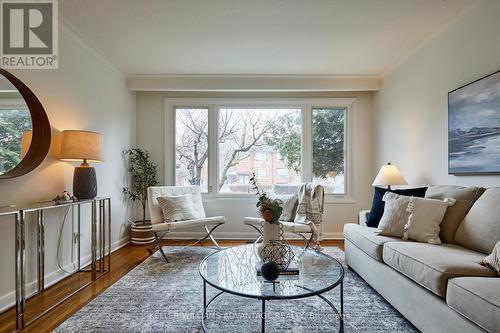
x,y
13,122
263,140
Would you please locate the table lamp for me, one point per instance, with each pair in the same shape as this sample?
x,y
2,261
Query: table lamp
x,y
389,175
83,146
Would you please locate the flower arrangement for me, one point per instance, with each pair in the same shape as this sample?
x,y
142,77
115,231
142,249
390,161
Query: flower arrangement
x,y
269,209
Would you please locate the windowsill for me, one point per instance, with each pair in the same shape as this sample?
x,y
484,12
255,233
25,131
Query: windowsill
x,y
252,198
336,199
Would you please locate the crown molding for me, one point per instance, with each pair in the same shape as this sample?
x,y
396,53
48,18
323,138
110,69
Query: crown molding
x,y
430,38
254,83
78,37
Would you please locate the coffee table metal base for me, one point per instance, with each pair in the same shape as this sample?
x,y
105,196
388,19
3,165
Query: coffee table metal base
x,y
263,311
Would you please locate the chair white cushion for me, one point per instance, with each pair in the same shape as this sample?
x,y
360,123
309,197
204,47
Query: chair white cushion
x,y
256,221
287,226
178,208
188,223
289,205
296,227
154,192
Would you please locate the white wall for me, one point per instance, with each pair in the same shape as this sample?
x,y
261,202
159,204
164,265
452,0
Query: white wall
x,y
410,127
150,134
84,93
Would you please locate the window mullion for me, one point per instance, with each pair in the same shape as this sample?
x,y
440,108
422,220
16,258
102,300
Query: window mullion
x,y
213,154
306,153
169,137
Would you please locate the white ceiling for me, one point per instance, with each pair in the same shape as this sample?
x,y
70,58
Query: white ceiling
x,y
358,37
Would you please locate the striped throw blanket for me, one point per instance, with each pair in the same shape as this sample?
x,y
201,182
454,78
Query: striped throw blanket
x,y
310,206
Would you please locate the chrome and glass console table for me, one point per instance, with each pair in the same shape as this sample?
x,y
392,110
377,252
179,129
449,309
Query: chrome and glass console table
x,y
100,226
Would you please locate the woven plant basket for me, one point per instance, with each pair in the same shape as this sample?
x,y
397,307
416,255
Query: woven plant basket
x,y
141,233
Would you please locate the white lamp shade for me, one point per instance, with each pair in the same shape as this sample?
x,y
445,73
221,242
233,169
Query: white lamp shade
x,y
81,145
389,175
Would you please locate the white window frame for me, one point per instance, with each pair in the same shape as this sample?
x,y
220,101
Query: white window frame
x,y
214,104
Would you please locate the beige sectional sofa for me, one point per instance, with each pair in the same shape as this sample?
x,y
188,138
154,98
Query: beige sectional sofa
x,y
439,288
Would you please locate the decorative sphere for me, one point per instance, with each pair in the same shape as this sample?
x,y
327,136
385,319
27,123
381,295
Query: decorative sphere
x,y
270,271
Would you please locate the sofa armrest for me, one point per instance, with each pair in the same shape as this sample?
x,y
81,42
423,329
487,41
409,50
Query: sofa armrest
x,y
363,217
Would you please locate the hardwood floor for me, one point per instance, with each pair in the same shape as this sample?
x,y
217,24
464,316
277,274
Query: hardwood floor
x,y
122,261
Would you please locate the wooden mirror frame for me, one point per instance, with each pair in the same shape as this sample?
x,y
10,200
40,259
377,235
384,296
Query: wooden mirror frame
x,y
40,142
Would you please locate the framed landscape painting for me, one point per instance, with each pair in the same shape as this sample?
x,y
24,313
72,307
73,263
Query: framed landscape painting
x,y
474,127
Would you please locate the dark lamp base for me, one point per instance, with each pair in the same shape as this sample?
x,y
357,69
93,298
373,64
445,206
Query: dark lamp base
x,y
84,183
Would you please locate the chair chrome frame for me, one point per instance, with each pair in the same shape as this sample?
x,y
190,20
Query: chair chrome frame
x,y
308,241
160,235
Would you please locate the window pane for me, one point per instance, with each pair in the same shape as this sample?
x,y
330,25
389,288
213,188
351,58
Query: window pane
x,y
13,123
266,141
191,146
328,148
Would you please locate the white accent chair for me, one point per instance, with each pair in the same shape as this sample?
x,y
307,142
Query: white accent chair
x,y
309,231
162,228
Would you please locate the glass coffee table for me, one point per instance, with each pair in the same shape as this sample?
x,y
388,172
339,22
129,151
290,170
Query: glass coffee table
x,y
234,270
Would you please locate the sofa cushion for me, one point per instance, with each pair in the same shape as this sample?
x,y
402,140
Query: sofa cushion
x,y
425,217
480,229
493,260
465,198
476,298
432,265
395,215
367,239
378,205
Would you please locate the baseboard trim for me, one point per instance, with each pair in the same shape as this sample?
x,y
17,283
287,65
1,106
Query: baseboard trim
x,y
9,300
243,235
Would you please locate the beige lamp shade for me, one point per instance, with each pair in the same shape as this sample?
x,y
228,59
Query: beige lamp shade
x,y
26,142
81,145
389,175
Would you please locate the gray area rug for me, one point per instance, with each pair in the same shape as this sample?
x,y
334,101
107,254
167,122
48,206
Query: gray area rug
x,y
168,297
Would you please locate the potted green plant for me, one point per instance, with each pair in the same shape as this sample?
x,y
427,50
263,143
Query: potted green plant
x,y
143,174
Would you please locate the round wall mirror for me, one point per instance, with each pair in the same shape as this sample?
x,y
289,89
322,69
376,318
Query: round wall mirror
x,y
24,128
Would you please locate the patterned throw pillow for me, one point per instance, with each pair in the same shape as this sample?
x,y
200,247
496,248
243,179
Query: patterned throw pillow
x,y
493,260
425,217
177,208
395,215
289,204
377,209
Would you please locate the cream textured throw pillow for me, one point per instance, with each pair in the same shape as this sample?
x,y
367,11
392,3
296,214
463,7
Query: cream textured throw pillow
x,y
425,217
493,260
177,208
289,204
395,215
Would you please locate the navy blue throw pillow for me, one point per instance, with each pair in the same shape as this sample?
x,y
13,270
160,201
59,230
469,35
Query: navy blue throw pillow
x,y
378,205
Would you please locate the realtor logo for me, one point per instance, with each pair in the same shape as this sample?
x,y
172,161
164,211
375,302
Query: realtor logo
x,y
29,34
